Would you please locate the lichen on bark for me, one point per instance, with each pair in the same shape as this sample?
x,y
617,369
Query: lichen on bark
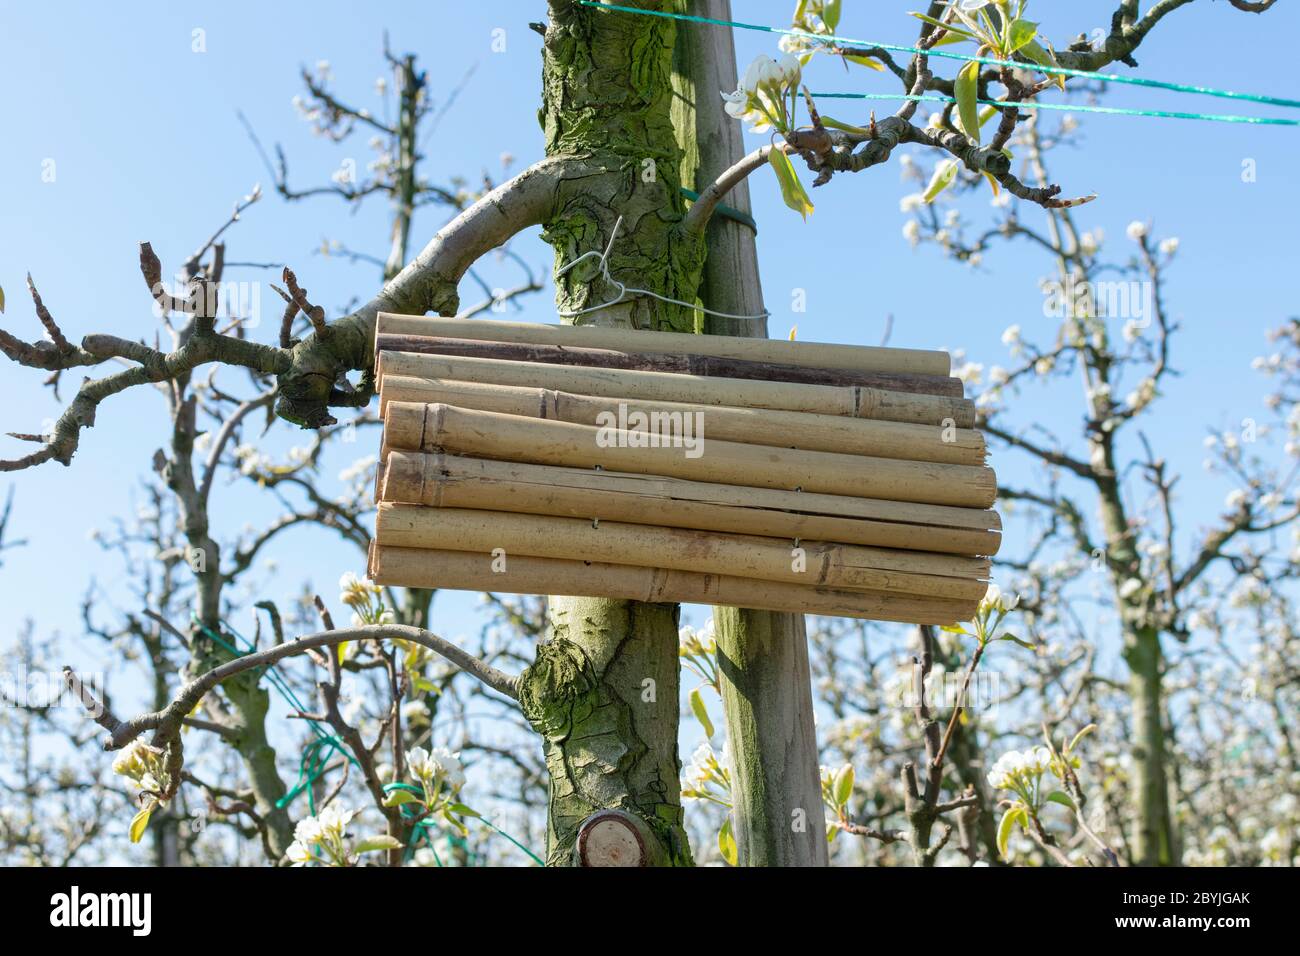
x,y
603,696
604,690
606,101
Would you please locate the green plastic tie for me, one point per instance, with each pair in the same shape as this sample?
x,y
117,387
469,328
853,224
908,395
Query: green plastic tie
x,y
727,212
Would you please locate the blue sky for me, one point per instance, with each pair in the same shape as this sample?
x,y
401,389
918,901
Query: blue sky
x,y
146,145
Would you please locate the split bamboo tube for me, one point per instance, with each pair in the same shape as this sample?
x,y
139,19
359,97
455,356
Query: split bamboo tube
x,y
814,563
437,480
438,427
855,436
852,400
704,366
809,354
469,571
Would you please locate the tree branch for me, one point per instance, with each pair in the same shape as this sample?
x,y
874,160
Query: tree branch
x,y
697,217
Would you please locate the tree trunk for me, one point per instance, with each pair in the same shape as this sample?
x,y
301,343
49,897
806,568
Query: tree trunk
x,y
1153,839
247,696
765,680
1153,843
603,690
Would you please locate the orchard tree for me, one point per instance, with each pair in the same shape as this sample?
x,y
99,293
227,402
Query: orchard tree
x,y
632,126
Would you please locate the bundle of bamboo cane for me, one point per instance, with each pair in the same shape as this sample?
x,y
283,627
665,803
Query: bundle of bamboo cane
x,y
543,459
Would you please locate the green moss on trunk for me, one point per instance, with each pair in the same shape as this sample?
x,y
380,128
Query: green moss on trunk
x,y
603,691
1153,833
603,695
606,99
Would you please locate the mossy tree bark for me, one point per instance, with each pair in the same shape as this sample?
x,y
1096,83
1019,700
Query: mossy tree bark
x,y
603,691
766,681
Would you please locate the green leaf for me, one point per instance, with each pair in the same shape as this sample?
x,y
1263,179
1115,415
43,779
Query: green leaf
x,y
1020,33
1035,52
727,843
701,712
792,190
953,31
949,39
455,822
380,842
831,11
138,824
966,89
843,786
944,174
1004,827
425,685
864,61
955,629
1061,797
1069,748
2,299
1016,640
461,810
848,128
400,797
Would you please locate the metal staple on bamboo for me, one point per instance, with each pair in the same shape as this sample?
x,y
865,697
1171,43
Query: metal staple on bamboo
x,y
655,466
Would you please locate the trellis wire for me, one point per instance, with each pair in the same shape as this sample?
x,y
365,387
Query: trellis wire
x,y
1067,107
624,290
828,39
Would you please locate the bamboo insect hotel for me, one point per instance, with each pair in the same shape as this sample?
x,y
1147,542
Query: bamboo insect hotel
x,y
656,466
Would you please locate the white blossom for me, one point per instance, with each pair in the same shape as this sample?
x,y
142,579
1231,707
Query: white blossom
x,y
299,854
415,712
995,600
911,202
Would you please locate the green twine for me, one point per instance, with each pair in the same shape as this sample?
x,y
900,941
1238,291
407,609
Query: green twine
x,y
424,828
316,755
493,827
827,39
1068,107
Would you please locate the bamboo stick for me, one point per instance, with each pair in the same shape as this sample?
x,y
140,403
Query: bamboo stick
x,y
469,571
856,436
816,354
852,400
439,427
815,563
706,366
437,480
